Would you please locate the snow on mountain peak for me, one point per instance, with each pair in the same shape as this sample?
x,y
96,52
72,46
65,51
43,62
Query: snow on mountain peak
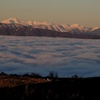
x,y
74,28
95,28
76,25
38,23
30,22
46,23
14,21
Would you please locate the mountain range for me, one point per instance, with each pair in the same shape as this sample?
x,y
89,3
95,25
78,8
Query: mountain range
x,y
18,27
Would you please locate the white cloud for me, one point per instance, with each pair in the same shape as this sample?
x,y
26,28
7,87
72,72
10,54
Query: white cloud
x,y
42,55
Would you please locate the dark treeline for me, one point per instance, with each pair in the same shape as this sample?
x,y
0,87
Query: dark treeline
x,y
31,75
74,88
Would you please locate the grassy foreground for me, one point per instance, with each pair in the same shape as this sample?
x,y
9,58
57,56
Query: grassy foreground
x,y
36,87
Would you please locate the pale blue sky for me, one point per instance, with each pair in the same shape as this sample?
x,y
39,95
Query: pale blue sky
x,y
83,12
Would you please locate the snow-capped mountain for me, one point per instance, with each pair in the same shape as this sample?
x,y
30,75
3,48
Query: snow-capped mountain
x,y
74,29
14,21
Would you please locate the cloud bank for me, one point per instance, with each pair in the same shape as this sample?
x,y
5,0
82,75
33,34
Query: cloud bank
x,y
42,55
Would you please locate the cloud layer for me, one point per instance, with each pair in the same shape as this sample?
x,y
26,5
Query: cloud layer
x,y
42,55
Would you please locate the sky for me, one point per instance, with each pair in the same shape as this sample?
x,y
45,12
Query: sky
x,y
82,12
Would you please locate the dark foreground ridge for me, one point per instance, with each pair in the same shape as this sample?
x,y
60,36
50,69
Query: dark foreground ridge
x,y
36,87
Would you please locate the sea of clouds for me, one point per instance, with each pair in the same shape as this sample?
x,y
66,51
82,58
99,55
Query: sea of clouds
x,y
42,55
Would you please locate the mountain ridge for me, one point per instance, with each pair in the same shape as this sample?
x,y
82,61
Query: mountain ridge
x,y
15,25
43,25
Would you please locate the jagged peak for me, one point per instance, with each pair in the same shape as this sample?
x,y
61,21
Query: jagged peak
x,y
38,23
50,26
14,21
76,25
95,28
46,23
